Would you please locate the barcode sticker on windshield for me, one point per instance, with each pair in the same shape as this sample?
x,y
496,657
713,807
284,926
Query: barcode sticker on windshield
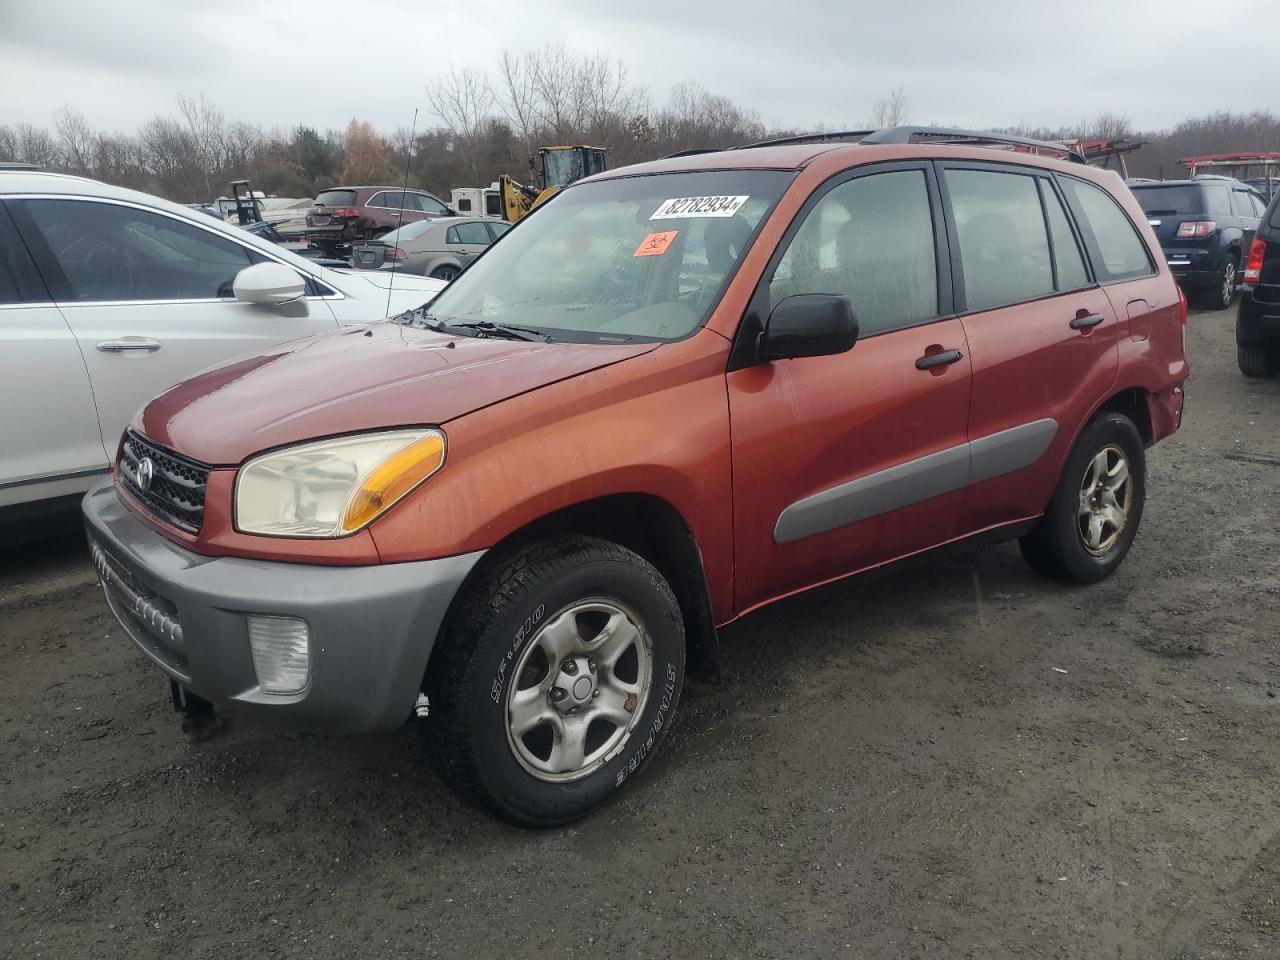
x,y
680,207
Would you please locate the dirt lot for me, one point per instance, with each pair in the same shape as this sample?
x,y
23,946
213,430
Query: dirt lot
x,y
957,760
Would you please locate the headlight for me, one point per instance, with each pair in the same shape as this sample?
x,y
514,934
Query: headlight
x,y
333,487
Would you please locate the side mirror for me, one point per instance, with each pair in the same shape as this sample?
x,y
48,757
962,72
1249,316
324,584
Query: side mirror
x,y
271,283
808,325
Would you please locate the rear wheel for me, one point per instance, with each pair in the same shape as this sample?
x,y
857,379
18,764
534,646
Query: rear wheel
x,y
1257,359
1094,514
445,273
1220,295
559,679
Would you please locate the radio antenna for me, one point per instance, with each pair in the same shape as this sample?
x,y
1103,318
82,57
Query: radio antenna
x,y
404,189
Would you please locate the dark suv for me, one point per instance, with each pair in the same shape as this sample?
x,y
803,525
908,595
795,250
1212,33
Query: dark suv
x,y
1205,227
341,215
1258,321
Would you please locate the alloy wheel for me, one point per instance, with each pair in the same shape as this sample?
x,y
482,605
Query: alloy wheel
x,y
1104,500
578,690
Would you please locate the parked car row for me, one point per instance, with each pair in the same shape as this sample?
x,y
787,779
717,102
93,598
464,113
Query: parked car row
x,y
109,296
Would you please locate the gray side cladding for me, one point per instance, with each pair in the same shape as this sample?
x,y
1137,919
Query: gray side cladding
x,y
916,480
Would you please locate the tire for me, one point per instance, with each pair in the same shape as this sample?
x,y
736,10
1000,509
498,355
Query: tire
x,y
1070,544
1223,292
1256,359
505,657
445,273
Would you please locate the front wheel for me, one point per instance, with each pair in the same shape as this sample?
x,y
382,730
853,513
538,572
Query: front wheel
x,y
557,681
1095,511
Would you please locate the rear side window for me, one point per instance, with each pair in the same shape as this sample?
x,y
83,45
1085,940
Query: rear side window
x,y
1243,203
1121,254
1218,199
1066,251
111,252
389,201
869,239
336,198
1004,246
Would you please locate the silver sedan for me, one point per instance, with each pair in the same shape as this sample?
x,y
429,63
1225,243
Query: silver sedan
x,y
430,248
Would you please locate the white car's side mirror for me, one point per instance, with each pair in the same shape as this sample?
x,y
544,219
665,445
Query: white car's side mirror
x,y
272,284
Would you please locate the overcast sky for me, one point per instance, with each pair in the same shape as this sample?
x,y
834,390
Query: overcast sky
x,y
797,62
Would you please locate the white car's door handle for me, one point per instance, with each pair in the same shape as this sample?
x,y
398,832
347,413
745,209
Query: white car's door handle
x,y
129,343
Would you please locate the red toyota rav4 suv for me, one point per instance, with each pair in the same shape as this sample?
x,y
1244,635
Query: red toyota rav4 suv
x,y
673,394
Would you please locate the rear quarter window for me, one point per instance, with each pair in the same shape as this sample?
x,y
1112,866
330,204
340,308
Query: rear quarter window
x,y
1115,246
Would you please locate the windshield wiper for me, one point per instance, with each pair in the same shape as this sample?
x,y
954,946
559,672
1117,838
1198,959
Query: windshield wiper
x,y
486,328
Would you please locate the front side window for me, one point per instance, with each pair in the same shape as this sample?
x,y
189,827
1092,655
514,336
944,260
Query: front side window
x,y
870,240
606,261
1123,254
427,204
1004,246
112,252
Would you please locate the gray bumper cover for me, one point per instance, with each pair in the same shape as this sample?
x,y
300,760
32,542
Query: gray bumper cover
x,y
372,628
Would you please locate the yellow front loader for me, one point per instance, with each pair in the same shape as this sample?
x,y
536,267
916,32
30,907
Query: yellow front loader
x,y
561,166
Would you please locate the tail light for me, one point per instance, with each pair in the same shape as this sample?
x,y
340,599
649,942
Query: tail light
x,y
1182,306
353,212
1196,228
395,253
1253,267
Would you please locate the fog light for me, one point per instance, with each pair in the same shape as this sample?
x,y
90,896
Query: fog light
x,y
281,654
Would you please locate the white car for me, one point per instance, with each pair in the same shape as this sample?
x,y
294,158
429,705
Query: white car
x,y
110,296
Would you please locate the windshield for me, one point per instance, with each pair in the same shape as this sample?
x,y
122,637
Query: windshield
x,y
629,258
1170,200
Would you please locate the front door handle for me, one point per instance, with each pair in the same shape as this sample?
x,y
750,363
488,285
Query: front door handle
x,y
943,359
129,343
1084,323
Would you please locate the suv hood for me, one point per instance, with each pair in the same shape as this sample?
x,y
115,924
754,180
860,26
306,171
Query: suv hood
x,y
362,378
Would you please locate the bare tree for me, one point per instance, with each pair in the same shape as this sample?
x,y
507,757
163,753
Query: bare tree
x,y
78,140
207,128
34,145
893,111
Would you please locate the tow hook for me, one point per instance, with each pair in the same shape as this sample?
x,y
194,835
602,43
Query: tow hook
x,y
199,719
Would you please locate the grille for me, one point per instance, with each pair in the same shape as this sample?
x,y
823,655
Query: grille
x,y
176,491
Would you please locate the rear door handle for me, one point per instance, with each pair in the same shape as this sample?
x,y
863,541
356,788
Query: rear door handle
x,y
1084,323
129,343
945,358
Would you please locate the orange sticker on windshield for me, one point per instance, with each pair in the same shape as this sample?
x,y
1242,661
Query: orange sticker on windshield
x,y
655,244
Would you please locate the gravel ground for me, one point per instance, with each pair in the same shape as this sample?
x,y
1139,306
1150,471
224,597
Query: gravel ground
x,y
955,760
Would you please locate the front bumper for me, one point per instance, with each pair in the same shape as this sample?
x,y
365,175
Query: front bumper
x,y
371,628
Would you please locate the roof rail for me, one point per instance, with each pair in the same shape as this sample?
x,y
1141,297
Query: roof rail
x,y
806,138
899,135
692,152
17,165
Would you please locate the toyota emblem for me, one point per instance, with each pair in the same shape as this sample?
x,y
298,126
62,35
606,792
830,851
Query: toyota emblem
x,y
145,474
